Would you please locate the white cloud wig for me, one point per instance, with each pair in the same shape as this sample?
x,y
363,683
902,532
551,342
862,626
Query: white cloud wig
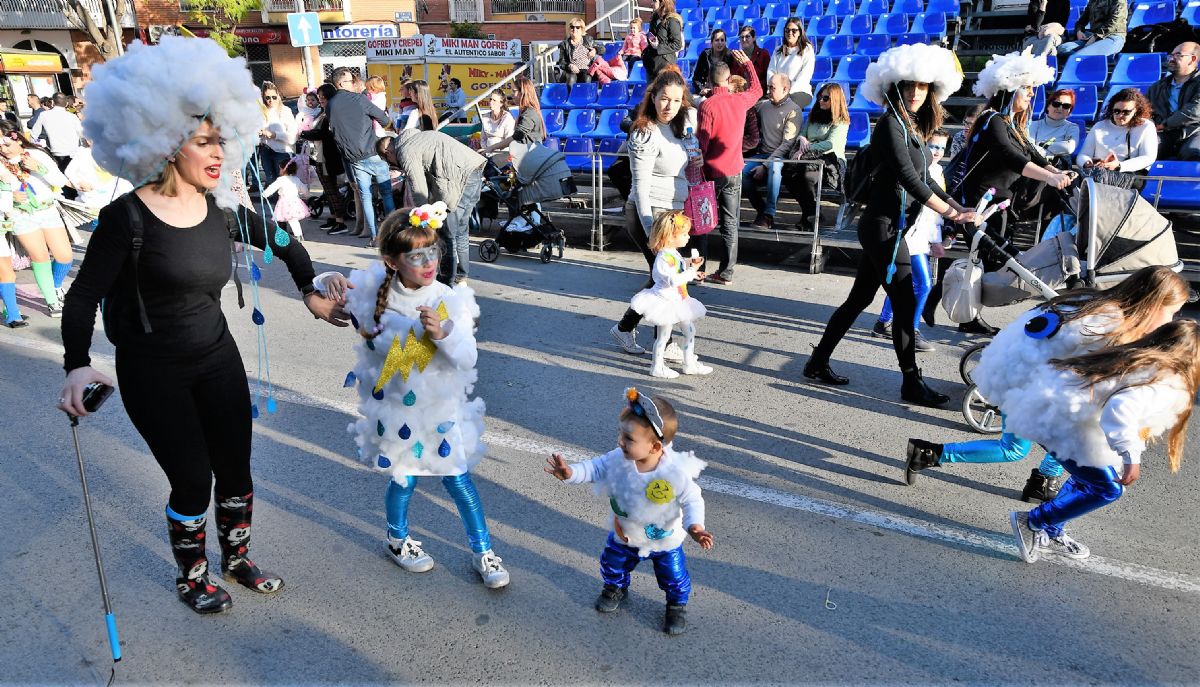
x,y
921,63
1011,72
145,104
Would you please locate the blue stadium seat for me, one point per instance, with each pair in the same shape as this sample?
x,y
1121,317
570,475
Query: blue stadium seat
x,y
686,4
515,112
930,23
778,30
637,90
860,130
1084,69
745,13
836,46
709,4
808,9
695,48
892,24
554,95
608,125
716,14
820,27
611,50
1144,13
1038,107
553,143
778,11
611,95
911,39
1079,139
687,15
1191,13
1086,101
1175,194
769,43
1052,62
608,145
1073,17
873,44
729,26
948,7
840,8
856,25
554,120
638,73
822,69
579,123
761,26
873,8
1115,89
852,68
695,31
908,7
1134,69
861,105
583,95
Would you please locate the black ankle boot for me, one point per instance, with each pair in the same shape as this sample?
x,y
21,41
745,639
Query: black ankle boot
x,y
195,587
1040,487
921,455
928,314
675,621
978,326
915,390
233,524
610,598
819,370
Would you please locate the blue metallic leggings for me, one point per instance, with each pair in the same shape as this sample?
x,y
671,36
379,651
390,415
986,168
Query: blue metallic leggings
x,y
460,488
1009,448
1087,490
670,569
922,284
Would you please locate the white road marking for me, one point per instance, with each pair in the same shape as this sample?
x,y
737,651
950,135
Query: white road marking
x,y
1001,543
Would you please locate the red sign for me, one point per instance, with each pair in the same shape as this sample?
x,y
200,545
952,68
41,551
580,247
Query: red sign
x,y
254,35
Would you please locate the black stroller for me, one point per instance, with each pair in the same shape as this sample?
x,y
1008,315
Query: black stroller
x,y
540,175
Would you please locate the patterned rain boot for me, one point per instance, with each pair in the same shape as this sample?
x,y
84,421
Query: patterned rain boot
x,y
195,586
233,524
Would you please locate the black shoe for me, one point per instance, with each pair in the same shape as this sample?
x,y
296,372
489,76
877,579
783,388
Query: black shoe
x,y
928,316
339,228
675,621
17,324
978,326
1040,487
882,329
610,598
921,455
921,344
821,372
328,223
234,515
915,390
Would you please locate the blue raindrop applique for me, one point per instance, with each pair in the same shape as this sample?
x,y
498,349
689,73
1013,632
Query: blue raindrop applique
x,y
655,533
271,406
377,394
418,449
383,462
350,379
255,272
444,449
257,317
410,398
379,429
405,432
268,256
445,426
282,238
370,344
354,321
254,411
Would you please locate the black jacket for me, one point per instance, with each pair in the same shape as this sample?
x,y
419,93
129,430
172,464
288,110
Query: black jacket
x,y
1181,124
702,75
901,162
564,52
997,158
331,157
350,117
669,32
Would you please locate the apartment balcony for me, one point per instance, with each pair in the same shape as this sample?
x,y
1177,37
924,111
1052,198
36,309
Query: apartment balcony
x,y
334,11
469,11
524,7
48,14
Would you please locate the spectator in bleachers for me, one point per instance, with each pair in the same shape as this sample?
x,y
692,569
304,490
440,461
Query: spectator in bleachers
x,y
498,127
779,124
716,53
575,54
750,132
635,43
1123,145
760,59
823,137
1046,40
657,160
720,128
1042,12
665,38
1100,30
530,129
1054,135
796,58
1175,100
960,138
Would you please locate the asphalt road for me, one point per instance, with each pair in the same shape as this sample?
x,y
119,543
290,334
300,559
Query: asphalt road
x,y
826,569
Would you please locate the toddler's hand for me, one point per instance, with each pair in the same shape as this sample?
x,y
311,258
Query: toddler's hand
x,y
557,467
702,537
335,288
432,323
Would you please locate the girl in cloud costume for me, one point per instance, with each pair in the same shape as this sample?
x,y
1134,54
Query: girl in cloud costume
x,y
415,371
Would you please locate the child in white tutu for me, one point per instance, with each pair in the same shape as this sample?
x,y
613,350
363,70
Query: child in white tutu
x,y
667,302
290,208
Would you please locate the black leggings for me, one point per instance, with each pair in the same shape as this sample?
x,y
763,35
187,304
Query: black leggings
x,y
195,416
872,270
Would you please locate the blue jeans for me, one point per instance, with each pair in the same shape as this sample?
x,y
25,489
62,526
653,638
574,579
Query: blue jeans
x,y
670,569
369,173
1109,45
455,233
1087,490
922,284
270,162
460,488
754,193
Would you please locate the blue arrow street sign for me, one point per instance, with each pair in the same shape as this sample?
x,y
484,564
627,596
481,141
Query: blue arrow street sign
x,y
305,29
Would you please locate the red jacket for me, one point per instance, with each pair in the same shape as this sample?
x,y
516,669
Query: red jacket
x,y
761,59
721,123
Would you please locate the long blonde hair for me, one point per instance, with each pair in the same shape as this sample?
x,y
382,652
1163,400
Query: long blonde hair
x,y
420,90
1173,348
1139,299
666,227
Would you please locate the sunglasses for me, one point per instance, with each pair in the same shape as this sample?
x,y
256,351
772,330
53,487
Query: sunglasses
x,y
791,30
937,147
576,28
824,98
1062,105
269,98
1122,112
422,256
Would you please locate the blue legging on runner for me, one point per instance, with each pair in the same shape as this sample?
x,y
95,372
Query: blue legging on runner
x,y
1009,448
922,285
460,488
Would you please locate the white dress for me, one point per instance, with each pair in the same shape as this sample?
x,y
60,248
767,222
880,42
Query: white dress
x,y
667,302
289,206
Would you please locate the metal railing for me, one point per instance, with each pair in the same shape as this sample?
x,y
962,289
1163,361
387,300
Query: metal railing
x,y
1158,181
466,11
48,14
538,7
282,6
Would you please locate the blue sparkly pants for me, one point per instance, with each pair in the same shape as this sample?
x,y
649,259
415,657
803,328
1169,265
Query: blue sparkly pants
x,y
670,569
1087,490
1008,448
460,488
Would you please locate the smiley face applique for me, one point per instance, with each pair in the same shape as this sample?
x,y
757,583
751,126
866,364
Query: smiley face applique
x,y
660,492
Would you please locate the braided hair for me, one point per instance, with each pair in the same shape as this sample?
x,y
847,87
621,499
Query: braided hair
x,y
397,235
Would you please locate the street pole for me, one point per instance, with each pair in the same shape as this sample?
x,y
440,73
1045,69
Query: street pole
x,y
309,69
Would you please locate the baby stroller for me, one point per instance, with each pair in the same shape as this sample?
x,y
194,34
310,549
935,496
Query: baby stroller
x,y
1118,233
540,175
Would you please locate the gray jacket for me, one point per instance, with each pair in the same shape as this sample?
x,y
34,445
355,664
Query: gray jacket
x,y
1180,124
437,166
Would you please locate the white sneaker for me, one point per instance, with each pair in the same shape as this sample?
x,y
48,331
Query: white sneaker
x,y
408,554
1061,546
61,294
627,341
693,366
663,371
487,564
1026,537
673,354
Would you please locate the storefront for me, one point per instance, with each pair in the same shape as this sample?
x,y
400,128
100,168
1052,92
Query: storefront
x,y
346,45
478,64
23,72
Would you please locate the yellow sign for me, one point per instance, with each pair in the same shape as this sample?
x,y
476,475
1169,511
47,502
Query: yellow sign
x,y
30,63
475,77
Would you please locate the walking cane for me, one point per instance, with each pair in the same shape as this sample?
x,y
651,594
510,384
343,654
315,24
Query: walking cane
x,y
94,396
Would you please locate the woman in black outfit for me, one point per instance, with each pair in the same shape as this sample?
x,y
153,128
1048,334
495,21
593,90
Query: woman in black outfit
x,y
182,379
330,164
899,185
666,38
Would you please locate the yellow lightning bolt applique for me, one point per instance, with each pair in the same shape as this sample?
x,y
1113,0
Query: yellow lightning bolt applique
x,y
402,356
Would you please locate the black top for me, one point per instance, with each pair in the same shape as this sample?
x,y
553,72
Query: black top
x,y
669,32
702,74
331,156
1055,12
901,161
350,115
181,272
996,160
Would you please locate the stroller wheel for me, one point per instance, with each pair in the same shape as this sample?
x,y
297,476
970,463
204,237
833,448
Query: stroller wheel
x,y
547,252
489,250
316,207
983,417
970,358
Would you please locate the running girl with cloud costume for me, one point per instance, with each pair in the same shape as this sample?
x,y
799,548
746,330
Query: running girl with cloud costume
x,y
180,373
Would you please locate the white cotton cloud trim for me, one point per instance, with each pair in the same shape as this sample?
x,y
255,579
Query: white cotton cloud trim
x,y
929,64
143,105
1012,71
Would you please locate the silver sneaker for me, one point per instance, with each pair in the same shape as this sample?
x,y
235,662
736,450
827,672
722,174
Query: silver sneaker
x,y
1061,546
673,354
55,310
487,564
407,554
627,341
1026,537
